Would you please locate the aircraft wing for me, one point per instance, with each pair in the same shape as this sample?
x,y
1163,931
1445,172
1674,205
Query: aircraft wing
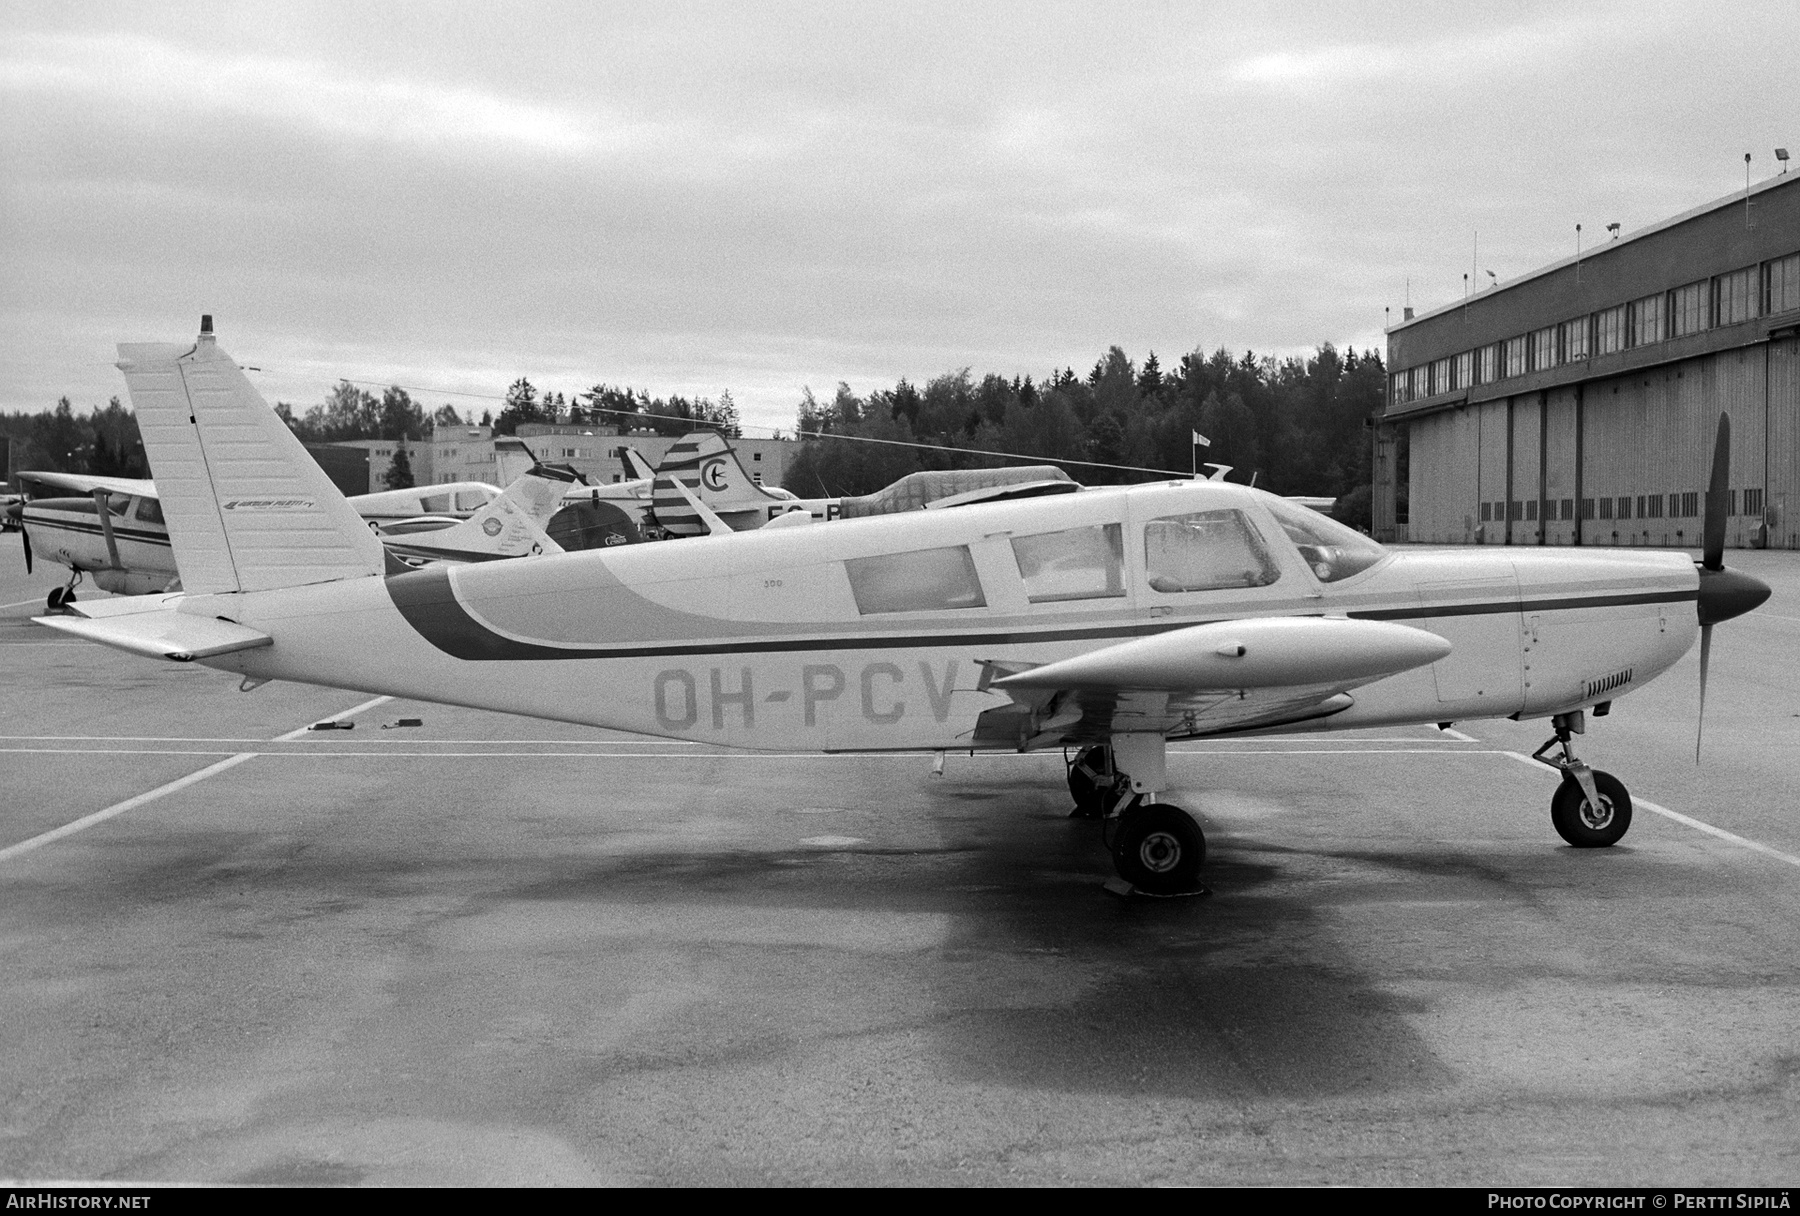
x,y
84,483
155,626
1201,679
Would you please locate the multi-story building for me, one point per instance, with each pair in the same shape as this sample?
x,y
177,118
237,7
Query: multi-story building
x,y
1577,405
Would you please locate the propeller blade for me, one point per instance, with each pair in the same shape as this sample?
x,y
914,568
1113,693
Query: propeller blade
x,y
27,536
1705,657
1718,499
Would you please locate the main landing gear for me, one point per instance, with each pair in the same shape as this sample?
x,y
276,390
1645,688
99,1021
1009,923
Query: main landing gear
x,y
1157,848
1591,809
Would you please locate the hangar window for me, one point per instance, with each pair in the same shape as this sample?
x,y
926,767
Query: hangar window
x,y
1687,309
1574,340
1606,508
1650,506
920,581
1644,321
1206,551
1753,502
1531,509
1587,508
1515,356
1609,330
1440,377
1463,370
1568,508
1543,348
1487,361
1487,512
1734,296
1625,507
1690,503
1074,564
1783,287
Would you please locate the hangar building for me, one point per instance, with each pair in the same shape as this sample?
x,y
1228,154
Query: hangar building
x,y
1577,405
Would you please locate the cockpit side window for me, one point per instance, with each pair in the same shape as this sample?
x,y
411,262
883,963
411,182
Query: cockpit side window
x,y
1332,550
1074,564
920,581
1206,551
149,511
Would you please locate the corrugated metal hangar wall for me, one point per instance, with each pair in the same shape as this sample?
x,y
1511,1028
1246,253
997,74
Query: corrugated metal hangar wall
x,y
1594,423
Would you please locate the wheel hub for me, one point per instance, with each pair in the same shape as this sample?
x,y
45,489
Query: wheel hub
x,y
1160,852
1596,818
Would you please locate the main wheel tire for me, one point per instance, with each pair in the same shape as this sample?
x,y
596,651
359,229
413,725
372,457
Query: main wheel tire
x,y
1088,784
1159,849
1580,823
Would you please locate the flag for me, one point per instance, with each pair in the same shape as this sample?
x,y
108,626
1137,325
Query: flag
x,y
1201,440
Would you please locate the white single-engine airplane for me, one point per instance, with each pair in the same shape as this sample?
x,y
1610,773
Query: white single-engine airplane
x,y
1109,620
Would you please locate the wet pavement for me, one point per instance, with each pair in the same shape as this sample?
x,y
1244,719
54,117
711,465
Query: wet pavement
x,y
495,950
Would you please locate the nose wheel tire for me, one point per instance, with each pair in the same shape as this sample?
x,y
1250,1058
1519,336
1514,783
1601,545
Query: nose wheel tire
x,y
1159,849
1584,825
59,598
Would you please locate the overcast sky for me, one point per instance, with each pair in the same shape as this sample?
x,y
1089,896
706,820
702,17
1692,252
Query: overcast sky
x,y
764,196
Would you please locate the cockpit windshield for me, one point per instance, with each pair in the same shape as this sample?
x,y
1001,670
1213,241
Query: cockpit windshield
x,y
1330,549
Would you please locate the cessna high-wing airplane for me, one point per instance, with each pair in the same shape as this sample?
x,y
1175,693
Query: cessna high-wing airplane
x,y
1108,620
112,528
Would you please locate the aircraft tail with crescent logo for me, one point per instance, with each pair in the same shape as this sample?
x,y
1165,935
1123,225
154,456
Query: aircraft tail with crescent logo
x,y
705,463
247,507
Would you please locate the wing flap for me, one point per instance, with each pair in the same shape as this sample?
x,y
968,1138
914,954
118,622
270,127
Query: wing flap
x,y
162,633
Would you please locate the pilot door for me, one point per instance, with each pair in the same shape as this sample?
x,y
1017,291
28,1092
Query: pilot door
x,y
1484,675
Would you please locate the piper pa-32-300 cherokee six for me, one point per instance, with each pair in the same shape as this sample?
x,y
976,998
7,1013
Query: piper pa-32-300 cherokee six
x,y
1107,621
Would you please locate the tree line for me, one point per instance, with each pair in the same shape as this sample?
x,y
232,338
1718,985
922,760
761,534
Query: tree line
x,y
1297,425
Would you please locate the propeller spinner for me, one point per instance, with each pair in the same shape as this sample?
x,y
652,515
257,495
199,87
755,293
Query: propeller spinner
x,y
1724,593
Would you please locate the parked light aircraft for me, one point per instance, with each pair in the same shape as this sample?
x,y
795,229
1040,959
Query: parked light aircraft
x,y
1110,620
112,528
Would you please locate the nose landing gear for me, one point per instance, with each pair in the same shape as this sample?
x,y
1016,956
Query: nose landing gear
x,y
1591,809
60,598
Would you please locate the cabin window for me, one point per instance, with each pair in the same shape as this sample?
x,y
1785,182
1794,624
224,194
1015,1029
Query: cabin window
x,y
1075,564
434,504
921,581
149,511
470,500
1206,551
1332,550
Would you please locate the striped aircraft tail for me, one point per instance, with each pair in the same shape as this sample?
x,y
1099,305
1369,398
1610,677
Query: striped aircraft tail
x,y
708,466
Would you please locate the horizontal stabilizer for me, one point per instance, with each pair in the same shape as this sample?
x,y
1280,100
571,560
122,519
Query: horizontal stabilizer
x,y
1267,652
162,633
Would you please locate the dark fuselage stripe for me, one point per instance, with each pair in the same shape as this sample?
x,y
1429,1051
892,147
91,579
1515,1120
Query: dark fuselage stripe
x,y
120,531
430,606
1550,605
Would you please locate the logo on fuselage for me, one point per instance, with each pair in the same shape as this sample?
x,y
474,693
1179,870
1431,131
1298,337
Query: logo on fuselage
x,y
491,526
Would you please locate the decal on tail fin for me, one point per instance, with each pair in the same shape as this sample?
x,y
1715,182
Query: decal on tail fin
x,y
512,525
709,469
247,507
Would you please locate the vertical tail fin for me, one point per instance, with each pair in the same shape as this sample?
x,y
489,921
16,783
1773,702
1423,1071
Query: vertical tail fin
x,y
512,525
247,507
708,466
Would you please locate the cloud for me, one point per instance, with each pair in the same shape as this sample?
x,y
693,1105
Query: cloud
x,y
155,75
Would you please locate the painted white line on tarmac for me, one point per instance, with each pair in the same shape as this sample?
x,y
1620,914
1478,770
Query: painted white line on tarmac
x,y
119,808
376,741
180,783
1755,846
496,753
1453,733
